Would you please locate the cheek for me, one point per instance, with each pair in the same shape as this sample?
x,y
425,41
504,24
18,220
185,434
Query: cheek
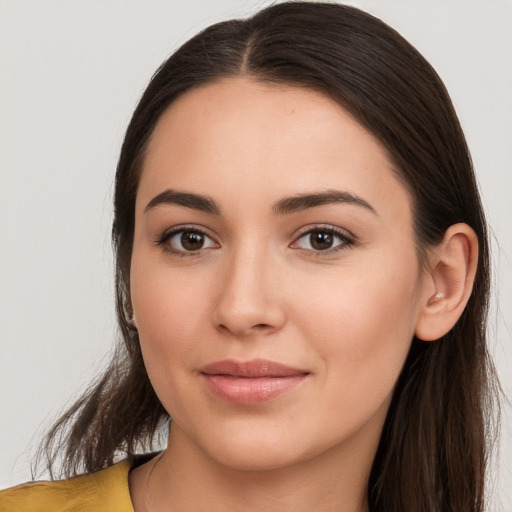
x,y
362,329
169,309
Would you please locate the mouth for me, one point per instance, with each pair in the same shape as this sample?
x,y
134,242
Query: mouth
x,y
251,382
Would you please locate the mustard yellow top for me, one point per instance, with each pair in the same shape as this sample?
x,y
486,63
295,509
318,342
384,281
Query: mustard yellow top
x,y
104,491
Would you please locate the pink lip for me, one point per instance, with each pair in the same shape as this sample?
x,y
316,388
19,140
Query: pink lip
x,y
251,382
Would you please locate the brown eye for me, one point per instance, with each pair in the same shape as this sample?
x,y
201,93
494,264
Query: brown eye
x,y
185,241
191,240
321,240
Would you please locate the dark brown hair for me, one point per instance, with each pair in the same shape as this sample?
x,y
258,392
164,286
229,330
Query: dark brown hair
x,y
434,447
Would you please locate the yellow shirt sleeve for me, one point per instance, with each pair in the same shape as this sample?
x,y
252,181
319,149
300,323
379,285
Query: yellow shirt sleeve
x,y
104,491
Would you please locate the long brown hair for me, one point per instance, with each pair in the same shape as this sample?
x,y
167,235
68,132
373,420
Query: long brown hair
x,y
435,443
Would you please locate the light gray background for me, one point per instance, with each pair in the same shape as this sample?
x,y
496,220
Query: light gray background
x,y
70,75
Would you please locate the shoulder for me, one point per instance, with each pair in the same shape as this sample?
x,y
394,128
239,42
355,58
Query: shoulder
x,y
101,491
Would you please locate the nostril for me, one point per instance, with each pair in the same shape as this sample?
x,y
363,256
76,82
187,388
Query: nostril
x,y
242,330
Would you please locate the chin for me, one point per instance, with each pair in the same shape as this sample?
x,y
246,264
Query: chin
x,y
259,450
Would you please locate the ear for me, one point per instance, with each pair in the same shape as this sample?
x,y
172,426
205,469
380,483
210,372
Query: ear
x,y
448,282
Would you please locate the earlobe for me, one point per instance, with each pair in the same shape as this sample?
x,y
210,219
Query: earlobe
x,y
448,282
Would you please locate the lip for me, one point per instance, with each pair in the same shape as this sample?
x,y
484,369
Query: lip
x,y
251,382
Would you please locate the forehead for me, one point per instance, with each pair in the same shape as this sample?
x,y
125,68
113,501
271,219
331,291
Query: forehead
x,y
238,136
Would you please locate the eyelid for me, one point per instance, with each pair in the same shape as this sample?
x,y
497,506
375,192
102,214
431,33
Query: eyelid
x,y
344,235
168,234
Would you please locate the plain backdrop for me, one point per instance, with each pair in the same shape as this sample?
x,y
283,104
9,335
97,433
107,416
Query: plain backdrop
x,y
70,75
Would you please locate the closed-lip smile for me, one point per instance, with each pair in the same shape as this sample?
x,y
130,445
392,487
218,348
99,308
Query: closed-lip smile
x,y
251,382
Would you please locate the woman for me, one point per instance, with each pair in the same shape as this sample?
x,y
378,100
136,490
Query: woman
x,y
302,283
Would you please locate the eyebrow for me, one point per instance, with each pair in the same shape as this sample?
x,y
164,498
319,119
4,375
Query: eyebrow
x,y
284,206
305,201
194,201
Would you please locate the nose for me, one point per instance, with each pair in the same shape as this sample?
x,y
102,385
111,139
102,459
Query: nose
x,y
249,300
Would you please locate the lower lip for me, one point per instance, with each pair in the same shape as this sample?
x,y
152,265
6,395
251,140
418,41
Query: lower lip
x,y
249,391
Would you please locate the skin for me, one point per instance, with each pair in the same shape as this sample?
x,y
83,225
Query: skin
x,y
258,289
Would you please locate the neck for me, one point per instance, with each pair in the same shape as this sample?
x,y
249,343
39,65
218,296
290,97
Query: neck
x,y
183,478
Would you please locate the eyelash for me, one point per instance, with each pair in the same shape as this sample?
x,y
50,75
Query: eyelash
x,y
347,240
168,235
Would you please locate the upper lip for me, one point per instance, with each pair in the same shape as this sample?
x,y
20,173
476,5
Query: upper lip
x,y
254,368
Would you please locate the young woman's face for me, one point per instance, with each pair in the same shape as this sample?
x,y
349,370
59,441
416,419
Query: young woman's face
x,y
275,280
